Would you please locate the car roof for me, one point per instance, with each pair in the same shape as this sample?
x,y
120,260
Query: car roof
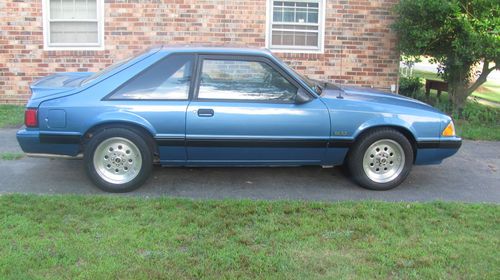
x,y
210,49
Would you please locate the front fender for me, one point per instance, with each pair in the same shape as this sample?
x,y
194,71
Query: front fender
x,y
421,127
386,122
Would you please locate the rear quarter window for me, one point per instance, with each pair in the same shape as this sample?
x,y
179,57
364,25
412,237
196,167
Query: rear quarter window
x,y
167,79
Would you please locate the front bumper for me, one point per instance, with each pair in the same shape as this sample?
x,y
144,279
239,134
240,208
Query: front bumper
x,y
453,143
433,152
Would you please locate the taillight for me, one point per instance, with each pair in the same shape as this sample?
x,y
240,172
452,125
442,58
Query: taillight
x,y
31,117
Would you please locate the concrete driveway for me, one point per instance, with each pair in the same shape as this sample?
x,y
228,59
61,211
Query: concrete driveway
x,y
472,175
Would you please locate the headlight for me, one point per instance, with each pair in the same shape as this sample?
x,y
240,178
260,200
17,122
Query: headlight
x,y
449,130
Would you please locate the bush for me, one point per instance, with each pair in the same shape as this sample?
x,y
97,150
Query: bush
x,y
473,113
478,114
409,86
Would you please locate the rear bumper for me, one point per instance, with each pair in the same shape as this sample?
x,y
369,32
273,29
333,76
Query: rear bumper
x,y
433,152
33,142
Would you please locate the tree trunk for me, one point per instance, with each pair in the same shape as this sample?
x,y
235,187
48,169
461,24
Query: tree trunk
x,y
458,92
459,86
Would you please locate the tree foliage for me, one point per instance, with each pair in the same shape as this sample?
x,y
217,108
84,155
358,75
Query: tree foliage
x,y
458,34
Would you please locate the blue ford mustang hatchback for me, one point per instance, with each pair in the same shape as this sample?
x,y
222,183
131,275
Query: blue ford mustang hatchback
x,y
227,107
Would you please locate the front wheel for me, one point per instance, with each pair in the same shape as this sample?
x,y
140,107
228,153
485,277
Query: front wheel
x,y
381,160
118,160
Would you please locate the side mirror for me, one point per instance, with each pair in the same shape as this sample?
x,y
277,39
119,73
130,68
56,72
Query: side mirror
x,y
302,97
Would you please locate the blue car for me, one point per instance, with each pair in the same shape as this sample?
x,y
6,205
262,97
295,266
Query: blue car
x,y
204,106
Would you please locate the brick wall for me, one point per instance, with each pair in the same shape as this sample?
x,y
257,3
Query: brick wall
x,y
357,36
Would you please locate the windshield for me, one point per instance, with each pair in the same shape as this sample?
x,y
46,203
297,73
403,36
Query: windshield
x,y
314,85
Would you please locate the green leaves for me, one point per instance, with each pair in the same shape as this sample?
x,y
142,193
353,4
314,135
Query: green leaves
x,y
409,86
457,33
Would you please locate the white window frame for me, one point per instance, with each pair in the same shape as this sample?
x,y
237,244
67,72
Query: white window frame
x,y
73,46
297,49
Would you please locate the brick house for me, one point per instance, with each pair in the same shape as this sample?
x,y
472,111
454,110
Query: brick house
x,y
345,41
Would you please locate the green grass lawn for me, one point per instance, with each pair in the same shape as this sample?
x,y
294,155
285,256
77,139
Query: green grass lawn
x,y
11,156
112,237
426,75
489,91
11,115
473,131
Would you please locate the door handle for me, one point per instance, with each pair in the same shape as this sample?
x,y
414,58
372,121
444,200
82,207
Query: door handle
x,y
205,112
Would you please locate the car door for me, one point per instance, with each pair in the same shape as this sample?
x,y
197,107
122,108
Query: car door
x,y
244,112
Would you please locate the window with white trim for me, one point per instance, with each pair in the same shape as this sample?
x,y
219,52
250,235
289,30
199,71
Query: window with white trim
x,y
296,26
73,24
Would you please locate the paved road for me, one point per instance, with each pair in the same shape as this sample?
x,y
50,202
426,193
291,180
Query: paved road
x,y
473,175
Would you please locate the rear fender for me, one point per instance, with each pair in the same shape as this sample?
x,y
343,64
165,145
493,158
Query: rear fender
x,y
121,118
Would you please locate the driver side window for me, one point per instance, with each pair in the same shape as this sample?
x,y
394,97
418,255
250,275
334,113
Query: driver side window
x,y
243,80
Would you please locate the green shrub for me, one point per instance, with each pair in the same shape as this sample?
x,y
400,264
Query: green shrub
x,y
478,114
444,106
409,86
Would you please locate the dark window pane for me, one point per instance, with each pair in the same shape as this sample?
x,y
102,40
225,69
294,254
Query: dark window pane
x,y
289,15
167,79
312,17
278,14
243,80
301,15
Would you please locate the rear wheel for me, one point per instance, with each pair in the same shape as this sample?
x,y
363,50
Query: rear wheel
x,y
381,160
118,160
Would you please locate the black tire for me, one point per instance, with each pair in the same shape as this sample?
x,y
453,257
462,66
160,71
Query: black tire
x,y
357,153
134,137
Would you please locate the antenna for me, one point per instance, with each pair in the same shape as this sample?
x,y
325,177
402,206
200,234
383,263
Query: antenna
x,y
341,59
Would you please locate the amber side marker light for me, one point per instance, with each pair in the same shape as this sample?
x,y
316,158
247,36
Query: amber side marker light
x,y
449,130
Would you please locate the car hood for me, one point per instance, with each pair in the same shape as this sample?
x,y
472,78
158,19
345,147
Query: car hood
x,y
57,83
373,96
